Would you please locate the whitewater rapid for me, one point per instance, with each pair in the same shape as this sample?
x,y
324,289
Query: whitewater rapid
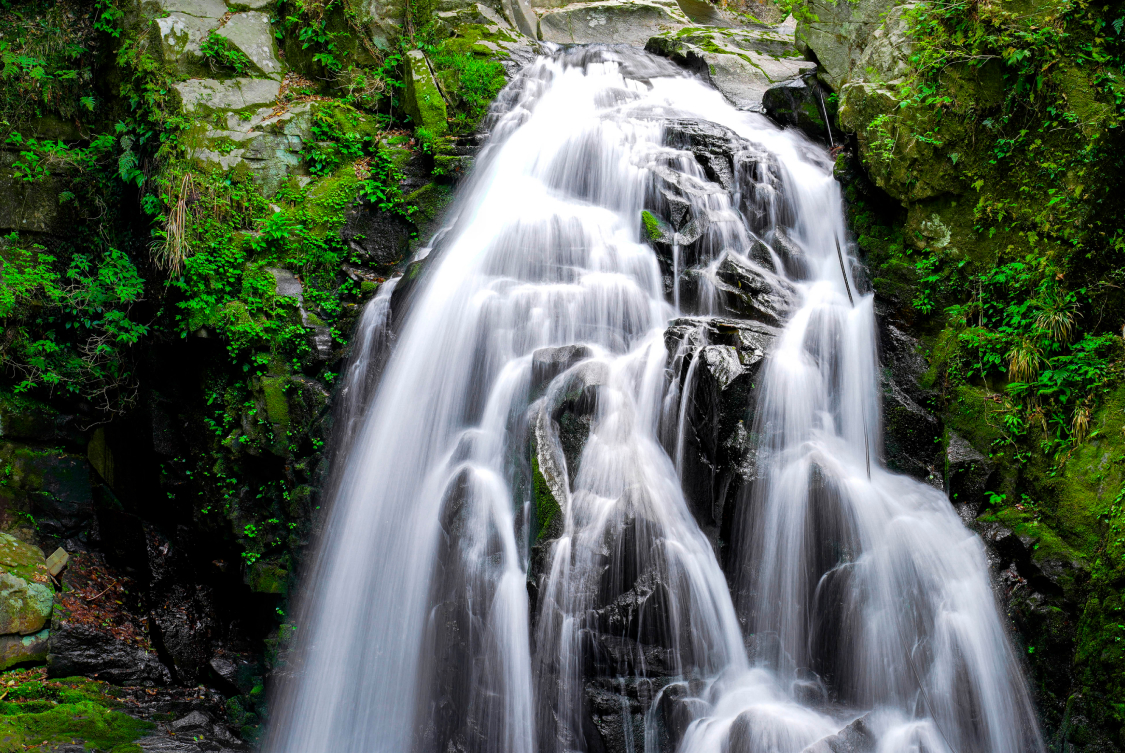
x,y
861,605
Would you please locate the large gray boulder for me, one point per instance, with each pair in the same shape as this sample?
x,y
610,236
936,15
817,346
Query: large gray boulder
x,y
179,27
203,95
740,63
838,35
610,22
250,34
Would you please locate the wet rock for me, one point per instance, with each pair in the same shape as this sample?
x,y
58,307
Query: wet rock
x,y
678,706
194,732
911,431
616,715
745,292
857,737
547,363
967,474
184,627
801,103
609,22
716,362
80,650
910,435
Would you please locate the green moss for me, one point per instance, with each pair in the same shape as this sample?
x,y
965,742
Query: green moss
x,y
88,721
546,506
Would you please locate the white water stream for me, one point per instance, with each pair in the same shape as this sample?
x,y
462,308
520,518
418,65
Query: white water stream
x,y
857,594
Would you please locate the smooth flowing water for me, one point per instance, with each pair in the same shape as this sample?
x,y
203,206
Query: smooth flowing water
x,y
531,365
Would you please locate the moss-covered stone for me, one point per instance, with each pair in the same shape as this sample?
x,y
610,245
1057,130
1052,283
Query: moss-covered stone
x,y
24,649
547,509
423,100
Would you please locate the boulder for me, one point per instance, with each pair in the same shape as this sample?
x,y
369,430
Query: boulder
x,y
967,474
26,594
802,103
383,20
24,649
184,624
268,144
521,17
423,99
857,737
610,22
250,34
745,292
77,649
203,95
838,33
741,63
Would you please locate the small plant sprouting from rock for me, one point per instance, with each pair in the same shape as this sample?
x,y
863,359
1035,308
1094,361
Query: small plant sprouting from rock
x,y
220,54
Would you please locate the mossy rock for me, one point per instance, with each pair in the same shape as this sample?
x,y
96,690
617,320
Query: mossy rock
x,y
423,100
26,594
98,727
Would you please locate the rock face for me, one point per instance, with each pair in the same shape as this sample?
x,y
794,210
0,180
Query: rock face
x,y
912,434
839,35
741,63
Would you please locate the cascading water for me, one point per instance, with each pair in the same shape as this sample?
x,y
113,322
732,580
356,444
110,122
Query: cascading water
x,y
533,370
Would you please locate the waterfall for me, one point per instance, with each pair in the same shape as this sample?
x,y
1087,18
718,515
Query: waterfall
x,y
451,607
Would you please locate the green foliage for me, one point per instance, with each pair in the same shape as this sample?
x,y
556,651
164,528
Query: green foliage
x,y
220,54
75,326
340,134
41,62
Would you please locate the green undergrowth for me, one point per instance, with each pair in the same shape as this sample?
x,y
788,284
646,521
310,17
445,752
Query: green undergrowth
x,y
37,714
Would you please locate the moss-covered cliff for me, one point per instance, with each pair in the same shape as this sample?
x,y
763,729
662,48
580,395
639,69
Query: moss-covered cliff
x,y
983,174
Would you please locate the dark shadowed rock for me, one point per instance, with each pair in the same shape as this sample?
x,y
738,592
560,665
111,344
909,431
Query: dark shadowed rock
x,y
717,401
81,650
801,103
911,431
378,239
966,476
